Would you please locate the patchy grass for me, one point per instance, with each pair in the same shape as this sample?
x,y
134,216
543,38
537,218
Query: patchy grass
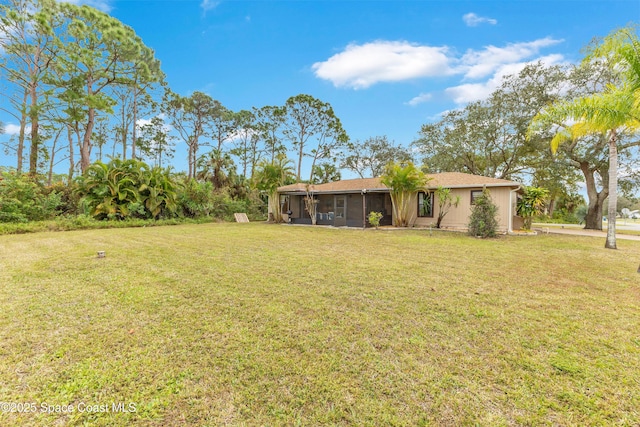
x,y
254,324
85,222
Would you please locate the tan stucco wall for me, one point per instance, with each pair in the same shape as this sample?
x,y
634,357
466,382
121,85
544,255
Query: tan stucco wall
x,y
458,217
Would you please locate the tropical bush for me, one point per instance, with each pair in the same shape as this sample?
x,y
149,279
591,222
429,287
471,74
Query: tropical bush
x,y
199,199
483,221
374,218
531,204
158,190
445,201
196,199
268,177
123,189
404,181
23,199
69,197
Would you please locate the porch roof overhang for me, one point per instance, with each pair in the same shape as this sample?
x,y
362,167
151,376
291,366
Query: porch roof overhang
x,y
317,192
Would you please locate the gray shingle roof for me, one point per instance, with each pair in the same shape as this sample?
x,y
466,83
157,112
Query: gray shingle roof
x,y
445,179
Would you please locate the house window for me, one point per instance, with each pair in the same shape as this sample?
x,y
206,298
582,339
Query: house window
x,y
474,195
425,204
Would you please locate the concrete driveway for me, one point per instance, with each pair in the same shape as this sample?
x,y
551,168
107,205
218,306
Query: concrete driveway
x,y
577,230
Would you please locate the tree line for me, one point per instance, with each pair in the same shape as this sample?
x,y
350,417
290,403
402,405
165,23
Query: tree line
x,y
79,81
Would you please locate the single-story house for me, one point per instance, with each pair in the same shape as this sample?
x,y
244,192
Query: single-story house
x,y
348,202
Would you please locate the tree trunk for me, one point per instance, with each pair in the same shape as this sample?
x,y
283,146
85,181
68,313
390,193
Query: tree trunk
x,y
613,191
71,159
33,115
85,148
135,119
245,160
551,207
123,132
299,162
23,125
115,143
190,161
593,219
274,203
52,158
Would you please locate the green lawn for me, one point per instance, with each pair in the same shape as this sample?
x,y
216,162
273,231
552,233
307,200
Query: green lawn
x,y
254,324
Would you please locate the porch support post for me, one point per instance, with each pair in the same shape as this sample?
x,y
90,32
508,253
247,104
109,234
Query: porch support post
x,y
364,208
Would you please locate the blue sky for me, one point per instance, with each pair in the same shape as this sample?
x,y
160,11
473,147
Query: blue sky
x,y
386,67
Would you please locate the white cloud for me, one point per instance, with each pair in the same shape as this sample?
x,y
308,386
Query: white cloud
x,y
208,5
11,129
241,135
470,92
481,71
473,20
423,97
360,66
479,64
438,116
166,128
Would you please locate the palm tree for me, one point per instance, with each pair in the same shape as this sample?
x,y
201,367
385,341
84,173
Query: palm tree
x,y
611,112
268,177
404,182
531,204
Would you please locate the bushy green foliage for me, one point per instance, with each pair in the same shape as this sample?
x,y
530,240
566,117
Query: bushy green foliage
x,y
562,216
123,189
69,197
268,177
445,201
195,199
24,199
159,193
374,218
403,180
198,199
531,204
483,221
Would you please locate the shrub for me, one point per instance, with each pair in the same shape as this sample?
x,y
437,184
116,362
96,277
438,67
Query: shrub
x,y
127,189
23,199
195,199
483,221
374,218
531,204
69,197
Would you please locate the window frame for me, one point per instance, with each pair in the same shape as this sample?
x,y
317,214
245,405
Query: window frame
x,y
431,201
474,195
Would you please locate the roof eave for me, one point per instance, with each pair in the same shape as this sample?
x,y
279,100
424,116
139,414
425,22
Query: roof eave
x,y
358,191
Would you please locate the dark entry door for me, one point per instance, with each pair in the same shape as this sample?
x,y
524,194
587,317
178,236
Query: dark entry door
x,y
340,219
